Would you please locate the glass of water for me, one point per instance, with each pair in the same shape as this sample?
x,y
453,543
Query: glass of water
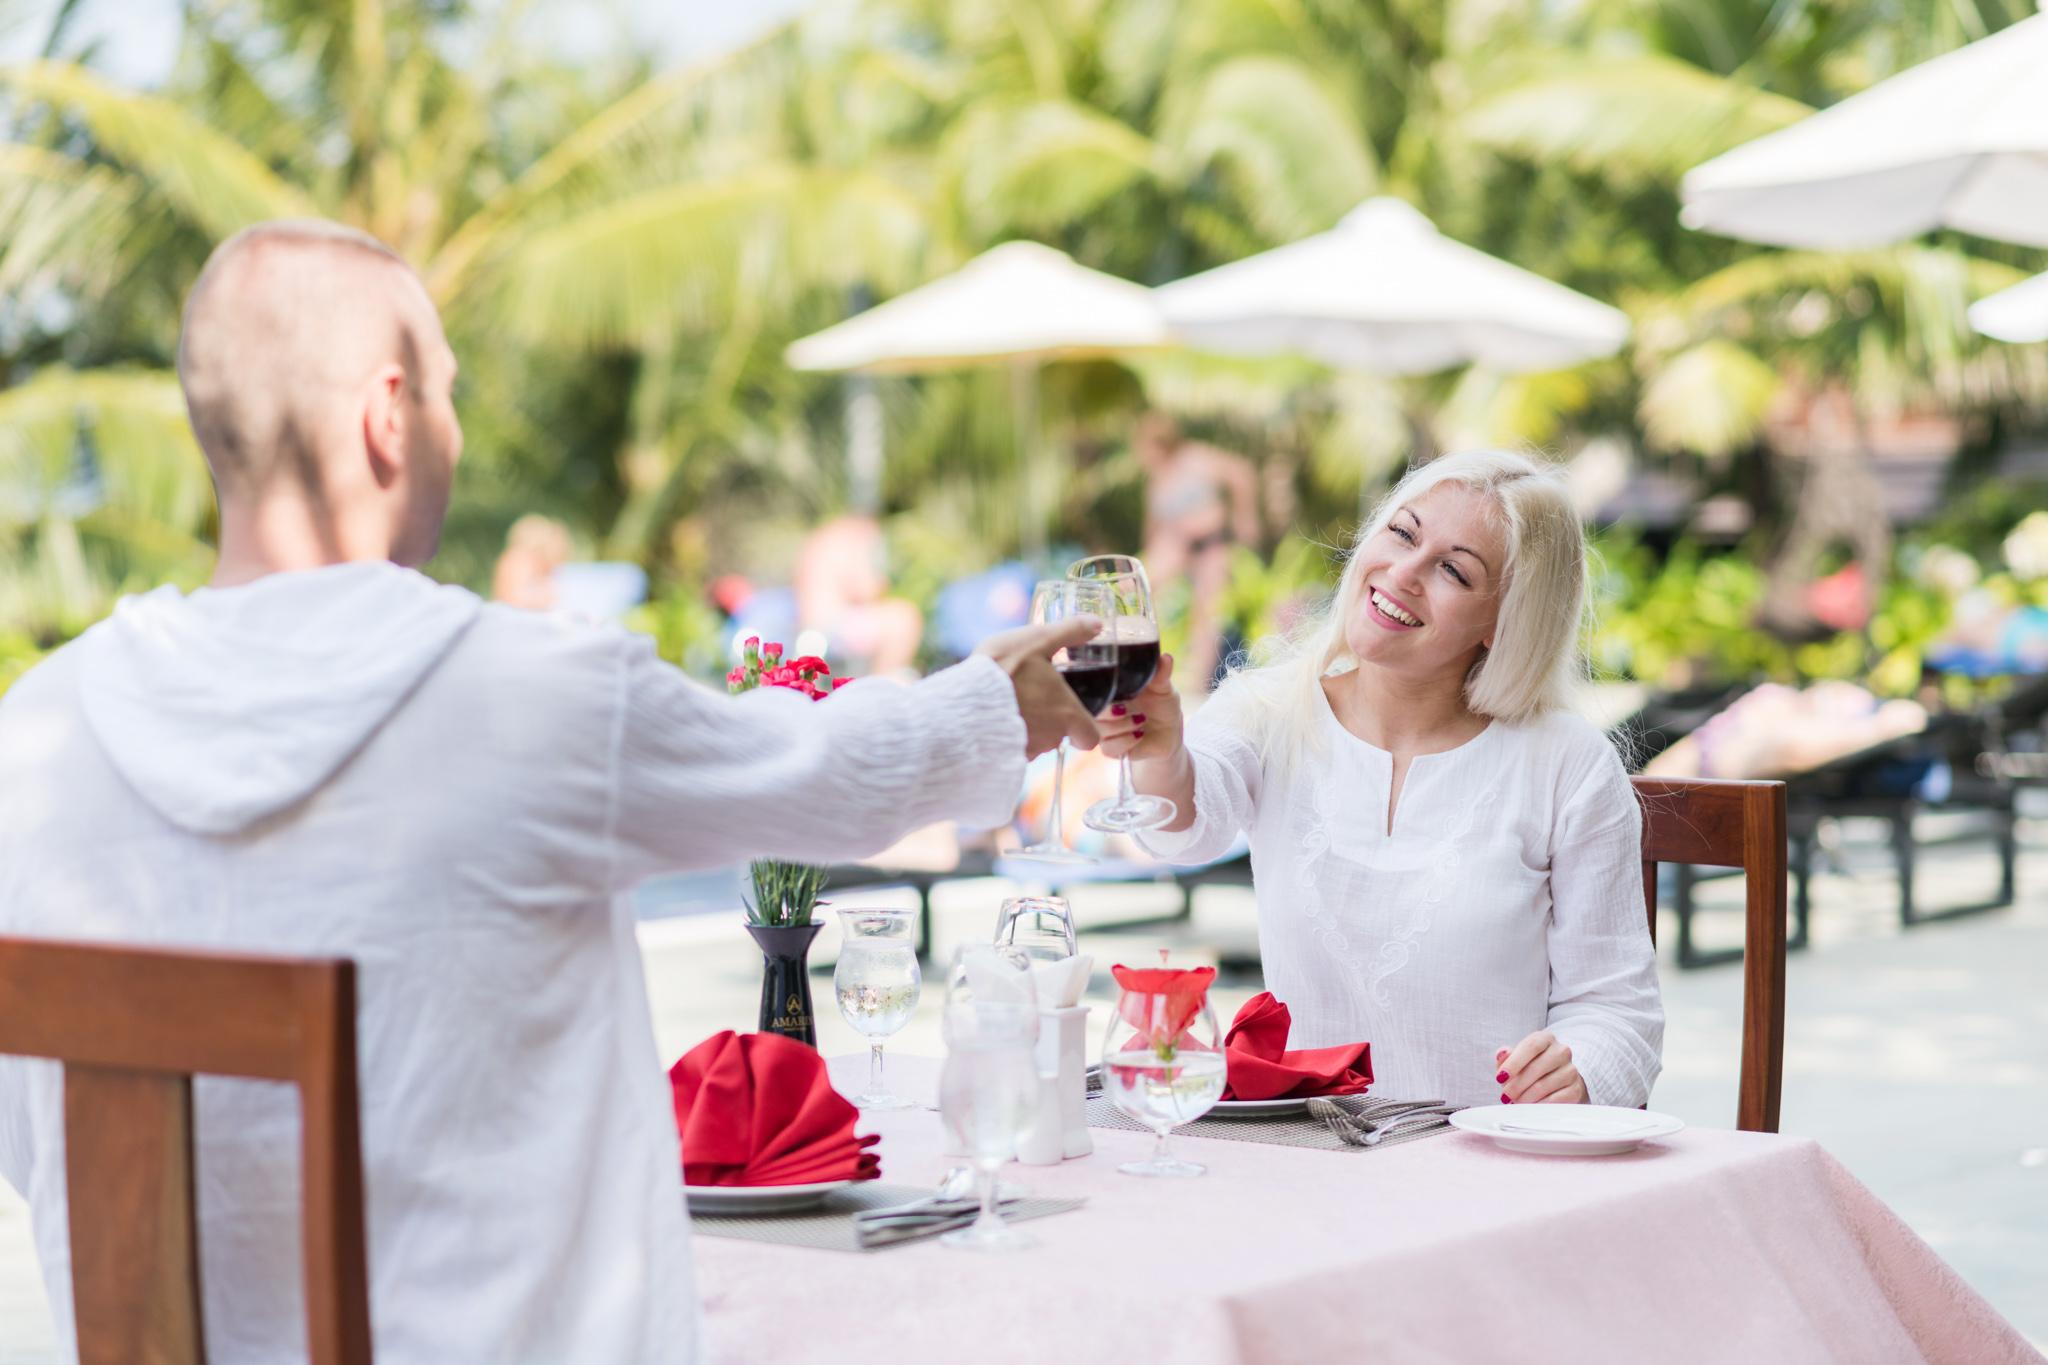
x,y
1162,1059
878,984
1040,927
989,1086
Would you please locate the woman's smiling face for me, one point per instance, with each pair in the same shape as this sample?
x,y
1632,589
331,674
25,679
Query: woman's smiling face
x,y
1429,584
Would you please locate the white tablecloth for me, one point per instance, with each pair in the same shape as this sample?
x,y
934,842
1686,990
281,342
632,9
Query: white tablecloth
x,y
1707,1246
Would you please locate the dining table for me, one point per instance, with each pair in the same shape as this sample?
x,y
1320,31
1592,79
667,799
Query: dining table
x,y
1709,1245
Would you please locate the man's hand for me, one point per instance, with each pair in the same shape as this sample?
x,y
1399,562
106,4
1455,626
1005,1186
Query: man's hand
x,y
1043,698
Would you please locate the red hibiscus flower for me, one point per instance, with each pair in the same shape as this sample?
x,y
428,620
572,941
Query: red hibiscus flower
x,y
1160,1002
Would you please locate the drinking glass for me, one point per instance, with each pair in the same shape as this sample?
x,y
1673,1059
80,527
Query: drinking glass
x,y
989,1085
1040,927
878,984
1163,1064
1137,658
1090,670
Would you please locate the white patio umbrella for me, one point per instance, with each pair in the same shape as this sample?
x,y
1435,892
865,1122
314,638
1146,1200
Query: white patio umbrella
x,y
1385,292
1960,141
1020,304
2018,314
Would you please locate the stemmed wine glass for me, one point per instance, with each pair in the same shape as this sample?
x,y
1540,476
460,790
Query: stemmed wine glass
x,y
878,982
1091,671
989,1085
1162,1058
1137,659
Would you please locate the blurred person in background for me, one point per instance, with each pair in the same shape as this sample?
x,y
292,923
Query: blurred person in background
x,y
842,592
536,548
325,751
1199,501
1448,857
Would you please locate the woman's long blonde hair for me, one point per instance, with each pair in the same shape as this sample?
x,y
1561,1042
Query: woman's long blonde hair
x,y
1535,662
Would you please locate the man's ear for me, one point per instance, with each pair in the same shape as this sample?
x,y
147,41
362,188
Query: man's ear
x,y
384,424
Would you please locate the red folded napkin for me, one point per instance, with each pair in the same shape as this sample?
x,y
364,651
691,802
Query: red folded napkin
x,y
758,1109
1261,1067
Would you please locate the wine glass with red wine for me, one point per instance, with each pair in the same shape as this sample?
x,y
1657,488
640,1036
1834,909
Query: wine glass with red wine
x,y
1091,670
1137,658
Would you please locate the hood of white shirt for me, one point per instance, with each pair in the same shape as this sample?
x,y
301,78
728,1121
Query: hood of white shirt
x,y
226,706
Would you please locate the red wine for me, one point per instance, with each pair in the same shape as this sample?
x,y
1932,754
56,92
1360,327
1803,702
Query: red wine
x,y
1136,662
1092,682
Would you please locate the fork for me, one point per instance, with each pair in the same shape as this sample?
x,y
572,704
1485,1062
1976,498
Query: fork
x,y
1359,1131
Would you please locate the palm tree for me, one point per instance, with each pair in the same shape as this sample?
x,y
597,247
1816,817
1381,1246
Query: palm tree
x,y
1647,90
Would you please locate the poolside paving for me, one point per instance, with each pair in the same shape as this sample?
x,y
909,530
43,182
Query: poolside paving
x,y
1919,1058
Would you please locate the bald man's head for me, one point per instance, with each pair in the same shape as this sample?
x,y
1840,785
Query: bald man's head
x,y
314,366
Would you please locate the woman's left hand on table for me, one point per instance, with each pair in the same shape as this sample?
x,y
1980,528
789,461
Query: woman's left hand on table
x,y
1539,1070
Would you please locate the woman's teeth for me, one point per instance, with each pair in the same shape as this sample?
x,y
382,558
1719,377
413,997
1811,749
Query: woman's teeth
x,y
1405,618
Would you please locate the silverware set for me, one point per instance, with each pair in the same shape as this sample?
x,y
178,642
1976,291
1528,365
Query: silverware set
x,y
925,1217
1370,1127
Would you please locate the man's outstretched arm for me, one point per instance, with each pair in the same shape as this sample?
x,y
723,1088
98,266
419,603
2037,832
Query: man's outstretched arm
x,y
704,780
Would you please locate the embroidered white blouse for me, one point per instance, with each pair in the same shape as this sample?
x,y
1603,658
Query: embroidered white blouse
x,y
1508,898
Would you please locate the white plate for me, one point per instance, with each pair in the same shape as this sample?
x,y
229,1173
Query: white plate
x,y
1245,1109
759,1198
1566,1129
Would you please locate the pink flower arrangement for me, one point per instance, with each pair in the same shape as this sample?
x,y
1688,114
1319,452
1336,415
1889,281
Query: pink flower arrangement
x,y
762,666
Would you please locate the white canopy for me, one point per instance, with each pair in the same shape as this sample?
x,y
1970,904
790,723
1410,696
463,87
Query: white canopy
x,y
2016,314
1960,141
1384,291
1019,301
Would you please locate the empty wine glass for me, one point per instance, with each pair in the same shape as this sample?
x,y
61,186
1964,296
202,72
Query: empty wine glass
x,y
1162,1058
1090,670
989,1085
878,983
1137,658
1041,927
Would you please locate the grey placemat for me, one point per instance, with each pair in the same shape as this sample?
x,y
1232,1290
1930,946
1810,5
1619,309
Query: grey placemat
x,y
829,1226
1281,1130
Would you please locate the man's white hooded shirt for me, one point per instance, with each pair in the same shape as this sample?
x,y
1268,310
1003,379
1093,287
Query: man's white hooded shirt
x,y
357,761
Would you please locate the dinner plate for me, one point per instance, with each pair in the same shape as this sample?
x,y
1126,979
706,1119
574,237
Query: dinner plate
x,y
759,1198
1246,1109
1566,1129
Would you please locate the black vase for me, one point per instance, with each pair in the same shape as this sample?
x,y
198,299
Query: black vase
x,y
786,980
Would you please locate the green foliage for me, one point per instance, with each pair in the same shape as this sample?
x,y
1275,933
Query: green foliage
x,y
622,257
785,894
18,654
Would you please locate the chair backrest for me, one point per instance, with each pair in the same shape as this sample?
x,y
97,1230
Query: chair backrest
x,y
1714,823
132,1027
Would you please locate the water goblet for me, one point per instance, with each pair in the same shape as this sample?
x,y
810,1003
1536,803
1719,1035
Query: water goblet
x,y
878,983
989,1085
1162,1058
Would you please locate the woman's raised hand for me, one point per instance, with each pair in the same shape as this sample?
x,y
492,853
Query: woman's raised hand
x,y
1149,724
1539,1070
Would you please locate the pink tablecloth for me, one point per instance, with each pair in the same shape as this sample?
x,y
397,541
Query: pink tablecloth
x,y
1708,1246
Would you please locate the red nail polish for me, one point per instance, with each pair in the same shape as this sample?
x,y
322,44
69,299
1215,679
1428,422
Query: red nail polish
x,y
1501,1079
1137,734
1137,720
1116,710
1505,1100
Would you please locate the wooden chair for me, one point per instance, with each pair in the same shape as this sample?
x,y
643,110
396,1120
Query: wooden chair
x,y
1711,823
132,1027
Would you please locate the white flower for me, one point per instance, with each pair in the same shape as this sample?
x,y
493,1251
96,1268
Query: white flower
x,y
1947,570
2026,549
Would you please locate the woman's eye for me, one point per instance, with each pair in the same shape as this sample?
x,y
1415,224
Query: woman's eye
x,y
1452,570
1402,532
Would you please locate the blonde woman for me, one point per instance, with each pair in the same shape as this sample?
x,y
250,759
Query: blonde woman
x,y
1447,858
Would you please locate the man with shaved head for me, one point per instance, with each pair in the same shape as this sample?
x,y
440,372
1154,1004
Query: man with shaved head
x,y
323,751
302,339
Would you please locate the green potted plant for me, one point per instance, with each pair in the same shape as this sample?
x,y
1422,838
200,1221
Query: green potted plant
x,y
785,895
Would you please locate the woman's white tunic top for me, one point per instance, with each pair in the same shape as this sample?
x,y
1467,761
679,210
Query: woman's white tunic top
x,y
1507,898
